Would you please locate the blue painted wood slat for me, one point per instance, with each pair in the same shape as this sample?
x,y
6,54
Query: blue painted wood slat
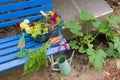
x,y
10,38
16,49
4,1
25,12
37,17
13,43
22,5
7,58
12,64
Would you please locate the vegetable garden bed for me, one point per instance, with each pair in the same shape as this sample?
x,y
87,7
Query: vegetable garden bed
x,y
82,69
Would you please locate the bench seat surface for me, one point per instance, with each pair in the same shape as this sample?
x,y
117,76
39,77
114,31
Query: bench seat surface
x,y
9,49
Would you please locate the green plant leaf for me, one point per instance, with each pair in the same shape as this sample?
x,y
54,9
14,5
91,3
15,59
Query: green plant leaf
x,y
110,52
74,44
114,20
99,59
103,28
116,43
90,49
82,49
74,28
96,57
88,38
86,16
97,23
114,48
112,35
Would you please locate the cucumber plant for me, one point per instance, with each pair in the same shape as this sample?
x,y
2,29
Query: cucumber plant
x,y
84,41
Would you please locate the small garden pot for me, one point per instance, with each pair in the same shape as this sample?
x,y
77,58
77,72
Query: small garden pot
x,y
63,65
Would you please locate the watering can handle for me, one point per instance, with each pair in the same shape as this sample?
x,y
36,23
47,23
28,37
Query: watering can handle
x,y
70,59
52,66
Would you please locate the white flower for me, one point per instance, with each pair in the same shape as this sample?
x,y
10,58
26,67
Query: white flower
x,y
27,29
26,21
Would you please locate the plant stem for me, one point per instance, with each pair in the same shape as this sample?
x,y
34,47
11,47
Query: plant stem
x,y
77,38
87,28
99,46
95,36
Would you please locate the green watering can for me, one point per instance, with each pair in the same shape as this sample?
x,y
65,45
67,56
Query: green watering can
x,y
63,65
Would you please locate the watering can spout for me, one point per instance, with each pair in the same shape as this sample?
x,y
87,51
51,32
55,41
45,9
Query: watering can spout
x,y
71,58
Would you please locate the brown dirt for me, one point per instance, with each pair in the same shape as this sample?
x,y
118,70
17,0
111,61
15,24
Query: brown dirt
x,y
81,68
111,70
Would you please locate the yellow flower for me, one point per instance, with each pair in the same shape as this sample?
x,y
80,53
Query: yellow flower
x,y
23,25
57,19
45,30
51,13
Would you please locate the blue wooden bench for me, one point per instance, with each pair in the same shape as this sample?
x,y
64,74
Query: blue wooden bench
x,y
13,12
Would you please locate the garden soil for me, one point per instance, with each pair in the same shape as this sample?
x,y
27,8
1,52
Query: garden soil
x,y
81,68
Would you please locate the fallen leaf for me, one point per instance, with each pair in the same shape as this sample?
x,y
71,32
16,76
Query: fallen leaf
x,y
118,63
59,78
107,73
